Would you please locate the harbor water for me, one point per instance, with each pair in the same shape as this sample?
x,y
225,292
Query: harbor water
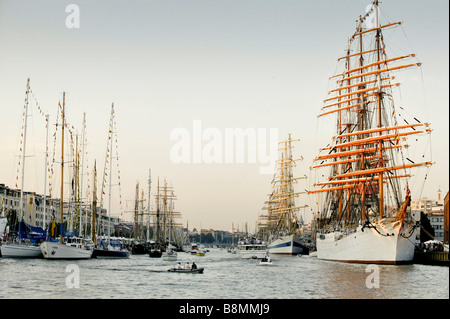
x,y
226,276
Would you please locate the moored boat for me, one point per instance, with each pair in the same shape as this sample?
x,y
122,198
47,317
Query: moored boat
x,y
288,245
364,215
74,248
113,250
20,251
281,225
66,247
155,250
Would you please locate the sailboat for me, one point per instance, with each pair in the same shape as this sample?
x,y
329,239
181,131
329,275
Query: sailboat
x,y
24,244
66,247
155,250
170,254
364,216
282,218
104,249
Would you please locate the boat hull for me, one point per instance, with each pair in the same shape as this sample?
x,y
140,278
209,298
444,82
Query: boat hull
x,y
20,251
106,254
287,245
187,271
169,256
155,253
384,244
250,251
56,250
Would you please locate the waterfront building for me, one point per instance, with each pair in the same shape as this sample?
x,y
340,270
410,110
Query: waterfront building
x,y
33,210
446,219
436,217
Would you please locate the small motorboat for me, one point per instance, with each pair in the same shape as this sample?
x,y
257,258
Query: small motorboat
x,y
265,261
190,271
200,252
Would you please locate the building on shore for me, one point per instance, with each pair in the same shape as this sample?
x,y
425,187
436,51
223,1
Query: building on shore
x,y
434,209
35,212
446,219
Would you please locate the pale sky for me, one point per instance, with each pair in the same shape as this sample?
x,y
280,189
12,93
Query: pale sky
x,y
230,64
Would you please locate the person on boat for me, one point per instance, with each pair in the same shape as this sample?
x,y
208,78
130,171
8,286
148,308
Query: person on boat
x,y
179,266
194,266
187,266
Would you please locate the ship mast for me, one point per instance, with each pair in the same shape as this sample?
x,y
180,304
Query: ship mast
x,y
94,202
23,149
380,124
61,204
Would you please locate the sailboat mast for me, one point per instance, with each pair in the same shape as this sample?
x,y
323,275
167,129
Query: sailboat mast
x,y
83,132
111,131
148,207
24,147
158,212
165,210
136,209
61,204
380,144
94,202
45,175
362,116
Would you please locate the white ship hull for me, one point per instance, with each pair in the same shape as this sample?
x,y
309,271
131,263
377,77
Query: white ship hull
x,y
287,245
387,244
56,250
20,251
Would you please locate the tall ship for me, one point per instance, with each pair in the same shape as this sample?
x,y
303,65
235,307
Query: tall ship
x,y
167,233
282,212
364,172
68,246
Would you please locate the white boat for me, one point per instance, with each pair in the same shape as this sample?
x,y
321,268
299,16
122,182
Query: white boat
x,y
365,195
24,246
288,245
21,244
385,242
74,249
251,248
266,261
20,251
169,255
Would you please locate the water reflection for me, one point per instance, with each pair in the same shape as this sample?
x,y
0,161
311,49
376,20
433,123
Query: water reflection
x,y
225,276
